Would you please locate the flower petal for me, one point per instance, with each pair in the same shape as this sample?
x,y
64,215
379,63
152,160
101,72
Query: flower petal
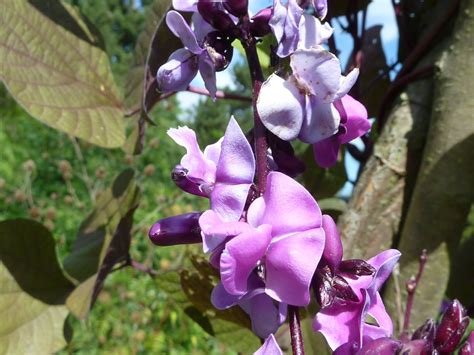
x,y
378,312
200,26
180,28
384,263
285,26
357,123
236,163
269,347
332,254
312,32
194,161
264,314
317,71
221,299
347,82
208,74
320,122
240,257
185,5
299,212
280,106
326,151
290,264
228,201
213,151
177,72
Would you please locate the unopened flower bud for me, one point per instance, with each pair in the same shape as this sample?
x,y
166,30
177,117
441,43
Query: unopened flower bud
x,y
181,179
356,268
182,229
178,71
214,13
417,347
427,331
384,346
237,7
468,347
451,328
259,25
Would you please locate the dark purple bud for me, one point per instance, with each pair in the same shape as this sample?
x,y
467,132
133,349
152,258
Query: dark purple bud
x,y
181,179
182,229
325,293
356,268
426,332
332,254
214,13
468,347
219,47
237,7
380,346
451,328
343,290
259,25
417,347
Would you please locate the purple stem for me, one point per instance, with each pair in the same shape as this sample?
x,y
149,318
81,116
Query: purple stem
x,y
219,94
295,330
143,268
411,286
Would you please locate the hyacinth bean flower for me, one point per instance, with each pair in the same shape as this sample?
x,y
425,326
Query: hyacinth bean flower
x,y
343,324
321,7
302,106
285,26
224,172
353,124
183,64
282,241
185,5
269,347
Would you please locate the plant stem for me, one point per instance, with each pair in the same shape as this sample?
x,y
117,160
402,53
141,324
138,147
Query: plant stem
x,y
295,330
411,286
261,144
219,94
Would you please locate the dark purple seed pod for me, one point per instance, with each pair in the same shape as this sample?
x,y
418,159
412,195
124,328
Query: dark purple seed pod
x,y
215,14
417,347
468,346
237,8
343,290
451,328
381,346
356,267
181,229
259,25
427,331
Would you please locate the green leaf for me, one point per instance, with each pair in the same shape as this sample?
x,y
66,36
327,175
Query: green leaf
x,y
54,66
103,241
322,183
37,273
32,290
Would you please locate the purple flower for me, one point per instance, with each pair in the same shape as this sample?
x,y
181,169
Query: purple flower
x,y
269,347
321,7
353,124
302,106
199,54
223,172
185,5
282,242
343,324
468,347
285,26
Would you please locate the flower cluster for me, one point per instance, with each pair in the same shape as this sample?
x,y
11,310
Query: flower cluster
x,y
272,246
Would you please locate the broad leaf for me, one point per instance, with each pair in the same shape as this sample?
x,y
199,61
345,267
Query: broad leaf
x,y
103,241
27,250
55,67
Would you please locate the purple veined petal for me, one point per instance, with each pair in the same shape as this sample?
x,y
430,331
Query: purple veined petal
x,y
317,71
177,72
215,231
299,212
228,201
384,262
269,347
264,314
213,151
240,257
208,74
221,299
321,7
281,107
185,5
326,151
200,26
377,310
290,264
357,123
236,163
277,21
194,161
340,324
285,26
332,253
180,28
346,83
312,32
321,121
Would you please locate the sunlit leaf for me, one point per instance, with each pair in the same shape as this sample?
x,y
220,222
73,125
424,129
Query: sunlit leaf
x,y
55,67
